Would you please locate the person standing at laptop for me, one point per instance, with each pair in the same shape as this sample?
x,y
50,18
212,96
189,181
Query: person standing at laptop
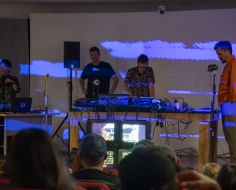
x,y
9,85
98,74
140,80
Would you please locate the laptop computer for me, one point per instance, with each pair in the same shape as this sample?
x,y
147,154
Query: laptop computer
x,y
21,105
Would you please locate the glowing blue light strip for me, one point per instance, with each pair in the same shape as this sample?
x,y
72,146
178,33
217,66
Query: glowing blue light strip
x,y
189,92
185,136
162,50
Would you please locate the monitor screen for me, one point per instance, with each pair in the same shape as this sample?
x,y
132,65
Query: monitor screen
x,y
134,131
123,153
109,162
108,129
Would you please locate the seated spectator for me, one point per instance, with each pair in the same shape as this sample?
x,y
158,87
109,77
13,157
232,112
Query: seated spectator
x,y
211,170
170,152
93,152
227,177
146,168
165,149
144,143
33,162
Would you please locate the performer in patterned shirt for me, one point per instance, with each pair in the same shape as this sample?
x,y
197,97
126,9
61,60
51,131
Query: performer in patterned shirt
x,y
9,85
140,80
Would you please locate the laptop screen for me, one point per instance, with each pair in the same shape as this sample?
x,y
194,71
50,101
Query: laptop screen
x,y
21,105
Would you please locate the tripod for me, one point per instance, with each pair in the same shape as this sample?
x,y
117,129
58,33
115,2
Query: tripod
x,y
70,108
213,125
66,117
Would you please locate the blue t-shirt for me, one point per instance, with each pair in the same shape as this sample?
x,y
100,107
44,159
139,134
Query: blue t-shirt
x,y
102,72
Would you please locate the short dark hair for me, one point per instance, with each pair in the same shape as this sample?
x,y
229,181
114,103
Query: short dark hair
x,y
93,49
223,45
143,59
7,63
226,177
146,168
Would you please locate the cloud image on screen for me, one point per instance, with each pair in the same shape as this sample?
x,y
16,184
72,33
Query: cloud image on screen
x,y
106,130
133,133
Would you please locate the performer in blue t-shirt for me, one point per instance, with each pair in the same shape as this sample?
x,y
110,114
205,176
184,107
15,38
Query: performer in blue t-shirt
x,y
98,74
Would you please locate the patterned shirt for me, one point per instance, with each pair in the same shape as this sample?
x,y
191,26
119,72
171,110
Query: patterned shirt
x,y
7,93
139,82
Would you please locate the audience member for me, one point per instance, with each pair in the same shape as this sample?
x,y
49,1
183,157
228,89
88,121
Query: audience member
x,y
170,152
227,177
211,170
93,152
146,168
144,143
165,149
194,180
34,162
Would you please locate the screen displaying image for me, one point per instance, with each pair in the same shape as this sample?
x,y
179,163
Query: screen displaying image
x,y
106,130
109,162
133,132
123,153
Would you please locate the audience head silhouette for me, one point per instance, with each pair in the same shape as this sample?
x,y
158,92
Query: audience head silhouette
x,y
146,168
211,170
34,162
93,151
144,143
227,177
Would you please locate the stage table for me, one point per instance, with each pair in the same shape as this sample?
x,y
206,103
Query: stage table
x,y
207,145
12,123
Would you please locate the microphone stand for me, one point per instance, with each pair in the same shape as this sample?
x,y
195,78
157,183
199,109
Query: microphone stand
x,y
213,127
46,102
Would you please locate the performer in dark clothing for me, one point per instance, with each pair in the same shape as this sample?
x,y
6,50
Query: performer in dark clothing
x,y
98,74
9,85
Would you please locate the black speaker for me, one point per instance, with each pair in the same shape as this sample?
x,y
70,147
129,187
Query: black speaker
x,y
71,54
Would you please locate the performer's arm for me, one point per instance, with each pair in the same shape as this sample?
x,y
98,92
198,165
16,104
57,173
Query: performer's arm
x,y
81,82
152,83
14,83
126,87
152,90
115,84
223,94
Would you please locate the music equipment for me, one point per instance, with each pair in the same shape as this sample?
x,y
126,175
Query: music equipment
x,y
71,54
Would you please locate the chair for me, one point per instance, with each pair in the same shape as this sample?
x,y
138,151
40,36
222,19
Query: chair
x,y
112,171
91,185
4,182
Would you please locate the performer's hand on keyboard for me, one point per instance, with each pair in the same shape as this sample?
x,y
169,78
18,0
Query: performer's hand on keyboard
x,y
85,91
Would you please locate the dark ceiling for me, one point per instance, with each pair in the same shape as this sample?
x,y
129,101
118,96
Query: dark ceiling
x,y
131,5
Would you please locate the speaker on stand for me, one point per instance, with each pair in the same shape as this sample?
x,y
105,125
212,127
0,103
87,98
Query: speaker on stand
x,y
71,60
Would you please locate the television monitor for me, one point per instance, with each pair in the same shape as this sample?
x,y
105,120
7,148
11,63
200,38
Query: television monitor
x,y
111,161
123,153
108,129
134,131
